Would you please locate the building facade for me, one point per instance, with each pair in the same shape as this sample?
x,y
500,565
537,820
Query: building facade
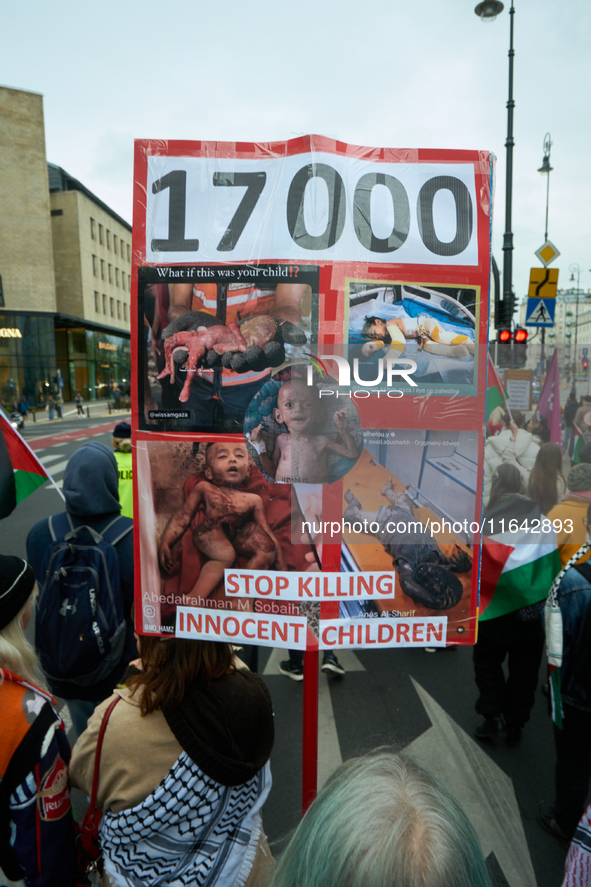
x,y
65,272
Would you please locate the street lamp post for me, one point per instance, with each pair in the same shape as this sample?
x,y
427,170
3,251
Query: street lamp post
x,y
575,269
546,169
487,11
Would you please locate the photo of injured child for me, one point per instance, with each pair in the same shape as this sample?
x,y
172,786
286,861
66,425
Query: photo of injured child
x,y
408,505
432,327
210,344
214,510
298,437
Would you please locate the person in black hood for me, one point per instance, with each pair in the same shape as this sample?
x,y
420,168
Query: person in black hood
x,y
91,491
184,769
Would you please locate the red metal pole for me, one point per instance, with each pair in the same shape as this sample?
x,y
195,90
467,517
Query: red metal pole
x,y
310,730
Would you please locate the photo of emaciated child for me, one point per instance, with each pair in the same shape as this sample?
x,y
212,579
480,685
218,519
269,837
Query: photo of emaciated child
x,y
225,521
296,436
213,509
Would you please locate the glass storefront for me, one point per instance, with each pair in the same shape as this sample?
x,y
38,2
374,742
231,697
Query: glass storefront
x,y
36,351
27,358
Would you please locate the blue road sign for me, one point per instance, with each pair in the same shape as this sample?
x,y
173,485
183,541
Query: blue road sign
x,y
585,352
540,312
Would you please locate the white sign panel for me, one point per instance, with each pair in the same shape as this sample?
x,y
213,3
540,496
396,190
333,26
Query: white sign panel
x,y
288,632
310,206
309,586
428,631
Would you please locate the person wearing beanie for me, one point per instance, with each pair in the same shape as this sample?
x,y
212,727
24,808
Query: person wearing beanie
x,y
36,825
122,448
91,491
571,512
184,769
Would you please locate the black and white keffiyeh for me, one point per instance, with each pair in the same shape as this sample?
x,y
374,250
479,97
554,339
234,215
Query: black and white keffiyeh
x,y
190,832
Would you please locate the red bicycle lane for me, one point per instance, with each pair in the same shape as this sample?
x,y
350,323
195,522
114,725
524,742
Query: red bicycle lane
x,y
40,443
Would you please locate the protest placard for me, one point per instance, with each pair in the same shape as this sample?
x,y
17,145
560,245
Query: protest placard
x,y
309,349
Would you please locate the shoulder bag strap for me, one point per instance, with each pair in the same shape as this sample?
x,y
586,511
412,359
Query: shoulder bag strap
x,y
97,757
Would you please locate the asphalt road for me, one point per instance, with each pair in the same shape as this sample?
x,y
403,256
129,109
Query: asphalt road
x,y
421,702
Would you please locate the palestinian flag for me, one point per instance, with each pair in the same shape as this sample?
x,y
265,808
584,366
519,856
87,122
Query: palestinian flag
x,y
518,565
495,393
578,445
21,472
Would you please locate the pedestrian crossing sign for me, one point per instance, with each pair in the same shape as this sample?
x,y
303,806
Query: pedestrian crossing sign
x,y
540,312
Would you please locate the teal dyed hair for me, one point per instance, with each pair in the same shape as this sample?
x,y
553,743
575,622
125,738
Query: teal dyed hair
x,y
382,821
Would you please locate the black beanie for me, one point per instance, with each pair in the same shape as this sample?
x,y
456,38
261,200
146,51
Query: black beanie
x,y
17,581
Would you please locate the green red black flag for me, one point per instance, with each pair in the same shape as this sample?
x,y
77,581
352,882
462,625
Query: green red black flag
x,y
21,472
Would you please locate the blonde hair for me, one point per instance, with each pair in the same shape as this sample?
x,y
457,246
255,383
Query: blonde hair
x,y
16,653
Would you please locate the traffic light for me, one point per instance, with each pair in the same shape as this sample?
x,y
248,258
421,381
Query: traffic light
x,y
520,350
504,348
585,362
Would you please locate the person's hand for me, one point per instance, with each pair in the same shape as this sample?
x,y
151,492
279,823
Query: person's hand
x,y
255,434
164,557
340,420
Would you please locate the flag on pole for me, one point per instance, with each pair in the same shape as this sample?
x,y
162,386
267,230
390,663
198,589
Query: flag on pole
x,y
21,472
578,445
518,566
549,404
495,393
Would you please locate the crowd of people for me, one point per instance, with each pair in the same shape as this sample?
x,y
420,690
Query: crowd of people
x,y
177,734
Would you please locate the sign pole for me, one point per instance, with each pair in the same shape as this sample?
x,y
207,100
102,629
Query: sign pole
x,y
310,729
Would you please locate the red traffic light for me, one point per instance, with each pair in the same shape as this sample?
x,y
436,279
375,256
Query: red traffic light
x,y
585,363
521,335
505,336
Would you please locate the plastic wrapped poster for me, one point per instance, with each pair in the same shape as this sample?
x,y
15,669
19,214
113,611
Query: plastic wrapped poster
x,y
310,355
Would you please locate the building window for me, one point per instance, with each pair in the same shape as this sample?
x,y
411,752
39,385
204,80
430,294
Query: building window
x,y
123,280
110,274
93,229
57,212
97,302
102,269
104,304
108,239
95,266
122,245
128,253
117,276
101,235
112,306
114,242
118,310
125,312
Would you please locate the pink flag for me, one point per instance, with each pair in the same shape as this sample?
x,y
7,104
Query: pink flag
x,y
549,404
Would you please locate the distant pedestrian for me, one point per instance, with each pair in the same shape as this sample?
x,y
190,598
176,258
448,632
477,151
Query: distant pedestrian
x,y
51,408
570,411
23,407
514,445
79,401
122,447
117,397
547,483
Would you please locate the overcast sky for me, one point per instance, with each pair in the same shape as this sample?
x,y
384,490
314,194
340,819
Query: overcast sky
x,y
406,74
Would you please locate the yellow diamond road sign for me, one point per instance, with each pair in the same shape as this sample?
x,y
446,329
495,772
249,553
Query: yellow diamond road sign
x,y
547,253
